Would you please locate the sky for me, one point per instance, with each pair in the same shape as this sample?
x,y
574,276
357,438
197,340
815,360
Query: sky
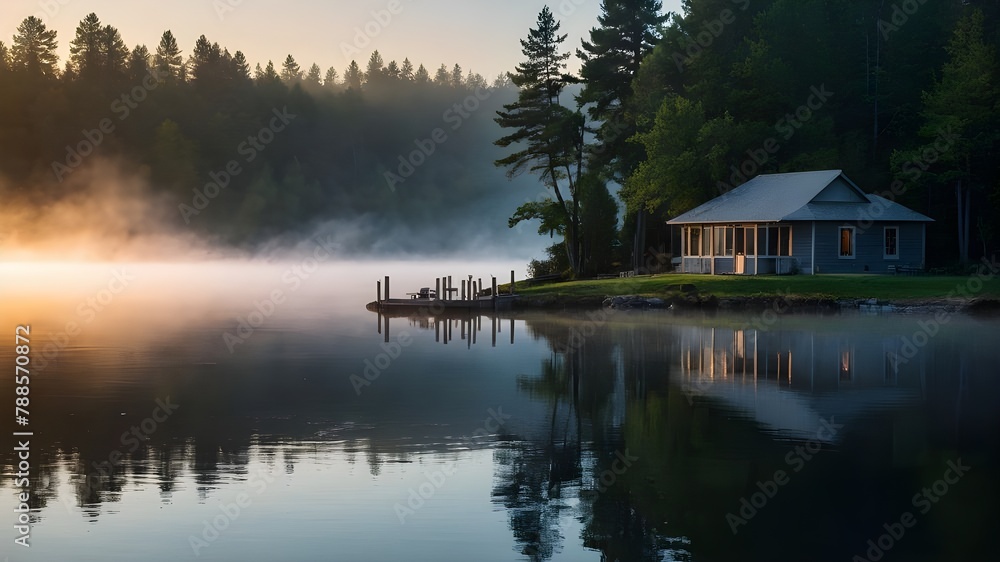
x,y
479,35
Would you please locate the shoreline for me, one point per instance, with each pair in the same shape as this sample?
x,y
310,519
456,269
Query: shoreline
x,y
787,303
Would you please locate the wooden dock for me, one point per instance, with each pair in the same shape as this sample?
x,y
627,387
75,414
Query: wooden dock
x,y
443,297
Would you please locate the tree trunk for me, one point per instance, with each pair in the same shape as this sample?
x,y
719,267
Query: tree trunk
x,y
639,241
963,222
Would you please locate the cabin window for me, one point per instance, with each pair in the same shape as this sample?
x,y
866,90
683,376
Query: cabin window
x,y
706,241
776,240
724,241
846,242
751,246
740,245
891,242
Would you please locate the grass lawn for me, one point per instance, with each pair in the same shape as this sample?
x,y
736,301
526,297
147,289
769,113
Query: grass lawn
x,y
882,287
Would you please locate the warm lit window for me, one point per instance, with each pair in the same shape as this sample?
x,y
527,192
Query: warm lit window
x,y
891,242
846,242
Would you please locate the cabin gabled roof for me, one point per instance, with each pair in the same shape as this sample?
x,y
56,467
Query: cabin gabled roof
x,y
826,195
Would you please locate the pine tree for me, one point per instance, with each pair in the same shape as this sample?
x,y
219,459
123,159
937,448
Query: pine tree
x,y
406,71
114,53
422,76
85,48
375,73
547,137
167,60
330,80
392,71
205,62
4,59
611,59
290,70
139,61
241,69
313,77
442,77
34,48
457,77
353,77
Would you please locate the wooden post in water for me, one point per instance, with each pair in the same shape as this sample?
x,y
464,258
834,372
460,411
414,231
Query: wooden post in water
x,y
378,292
511,282
450,286
463,289
494,295
469,284
475,291
386,287
493,319
511,330
481,288
437,288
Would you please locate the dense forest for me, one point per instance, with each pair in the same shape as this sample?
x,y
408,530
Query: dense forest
x,y
666,112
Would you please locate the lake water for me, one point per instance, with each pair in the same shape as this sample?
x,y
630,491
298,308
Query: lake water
x,y
163,430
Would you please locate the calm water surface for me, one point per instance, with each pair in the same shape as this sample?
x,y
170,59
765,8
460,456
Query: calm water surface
x,y
319,431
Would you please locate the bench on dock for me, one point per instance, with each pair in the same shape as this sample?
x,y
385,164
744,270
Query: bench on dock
x,y
423,293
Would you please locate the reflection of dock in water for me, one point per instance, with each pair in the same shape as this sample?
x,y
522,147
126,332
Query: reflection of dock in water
x,y
468,323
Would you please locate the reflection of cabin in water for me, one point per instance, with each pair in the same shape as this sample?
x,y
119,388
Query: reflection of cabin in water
x,y
789,380
810,222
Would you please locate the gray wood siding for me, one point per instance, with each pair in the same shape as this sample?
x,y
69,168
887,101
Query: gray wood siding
x,y
869,248
802,245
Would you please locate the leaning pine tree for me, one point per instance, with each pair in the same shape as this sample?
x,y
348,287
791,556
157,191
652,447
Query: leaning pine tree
x,y
548,138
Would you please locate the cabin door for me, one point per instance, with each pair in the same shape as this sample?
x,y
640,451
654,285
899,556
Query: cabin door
x,y
740,267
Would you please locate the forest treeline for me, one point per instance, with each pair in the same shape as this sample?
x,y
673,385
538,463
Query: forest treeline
x,y
244,152
666,112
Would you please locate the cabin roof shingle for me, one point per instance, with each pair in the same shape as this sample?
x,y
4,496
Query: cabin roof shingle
x,y
790,197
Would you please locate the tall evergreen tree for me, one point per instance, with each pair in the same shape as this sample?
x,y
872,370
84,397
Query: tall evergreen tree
x,y
392,70
375,72
114,53
167,60
406,71
4,58
291,72
330,80
85,49
313,77
457,77
241,69
139,62
34,48
547,137
353,78
442,77
422,76
628,32
205,62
